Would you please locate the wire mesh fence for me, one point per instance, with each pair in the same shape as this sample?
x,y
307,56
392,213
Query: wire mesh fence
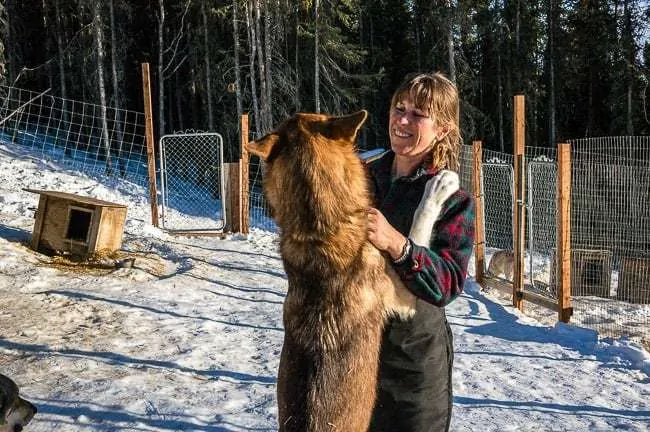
x,y
192,182
610,235
260,215
76,134
541,220
610,228
466,170
541,236
497,178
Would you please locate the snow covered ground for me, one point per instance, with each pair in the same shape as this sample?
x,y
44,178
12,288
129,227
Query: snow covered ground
x,y
189,337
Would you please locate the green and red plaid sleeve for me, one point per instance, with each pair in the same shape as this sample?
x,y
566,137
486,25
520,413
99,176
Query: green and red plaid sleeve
x,y
437,273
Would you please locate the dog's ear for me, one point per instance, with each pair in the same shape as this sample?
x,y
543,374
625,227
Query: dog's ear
x,y
8,395
264,147
345,127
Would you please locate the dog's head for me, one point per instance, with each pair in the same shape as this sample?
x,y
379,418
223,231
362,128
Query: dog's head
x,y
310,161
15,412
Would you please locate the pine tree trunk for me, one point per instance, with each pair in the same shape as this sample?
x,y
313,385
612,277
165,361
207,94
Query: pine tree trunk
x,y
62,71
208,72
161,77
316,59
252,49
267,67
99,46
551,74
500,103
629,50
500,43
418,41
194,97
450,41
518,53
235,31
450,52
116,91
10,50
261,67
178,90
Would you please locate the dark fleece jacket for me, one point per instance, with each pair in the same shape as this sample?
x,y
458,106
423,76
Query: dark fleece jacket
x,y
415,388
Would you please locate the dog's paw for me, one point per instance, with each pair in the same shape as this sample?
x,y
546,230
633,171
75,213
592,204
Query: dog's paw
x,y
436,192
440,188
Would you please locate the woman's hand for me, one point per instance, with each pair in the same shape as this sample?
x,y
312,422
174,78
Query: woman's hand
x,y
382,234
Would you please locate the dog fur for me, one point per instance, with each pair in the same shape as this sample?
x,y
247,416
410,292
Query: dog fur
x,y
436,192
15,412
341,288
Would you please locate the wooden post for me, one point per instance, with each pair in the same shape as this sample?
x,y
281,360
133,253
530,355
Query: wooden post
x,y
244,164
233,198
565,309
151,161
479,250
519,209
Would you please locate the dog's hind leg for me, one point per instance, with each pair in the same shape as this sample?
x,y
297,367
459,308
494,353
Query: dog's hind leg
x,y
292,388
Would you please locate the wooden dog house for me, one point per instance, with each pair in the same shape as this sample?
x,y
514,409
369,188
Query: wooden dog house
x,y
634,280
591,272
79,225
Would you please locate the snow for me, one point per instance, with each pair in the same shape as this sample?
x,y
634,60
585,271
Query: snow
x,y
189,337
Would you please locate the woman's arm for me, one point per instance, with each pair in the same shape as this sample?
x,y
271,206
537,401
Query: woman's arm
x,y
436,273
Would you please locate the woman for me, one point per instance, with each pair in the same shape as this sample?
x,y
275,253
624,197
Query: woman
x,y
415,382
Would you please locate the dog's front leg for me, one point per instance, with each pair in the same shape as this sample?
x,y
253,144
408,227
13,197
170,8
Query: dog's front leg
x,y
437,190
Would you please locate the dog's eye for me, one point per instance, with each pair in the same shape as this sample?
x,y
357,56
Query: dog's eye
x,y
18,428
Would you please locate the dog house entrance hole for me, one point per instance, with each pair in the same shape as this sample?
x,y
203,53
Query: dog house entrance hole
x,y
79,224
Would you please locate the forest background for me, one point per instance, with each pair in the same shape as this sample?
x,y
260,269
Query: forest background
x,y
584,66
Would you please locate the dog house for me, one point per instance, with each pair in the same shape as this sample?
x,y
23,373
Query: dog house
x,y
591,272
76,224
634,280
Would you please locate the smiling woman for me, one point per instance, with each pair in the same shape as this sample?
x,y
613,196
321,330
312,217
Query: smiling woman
x,y
416,357
421,124
412,132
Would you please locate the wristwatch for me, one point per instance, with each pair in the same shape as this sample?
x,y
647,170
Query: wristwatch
x,y
406,252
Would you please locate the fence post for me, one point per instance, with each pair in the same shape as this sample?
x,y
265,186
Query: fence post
x,y
244,164
564,232
233,198
151,161
519,210
479,251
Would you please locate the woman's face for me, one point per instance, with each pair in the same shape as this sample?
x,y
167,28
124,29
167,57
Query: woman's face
x,y
412,131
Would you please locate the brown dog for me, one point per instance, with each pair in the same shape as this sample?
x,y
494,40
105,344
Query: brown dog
x,y
341,288
15,412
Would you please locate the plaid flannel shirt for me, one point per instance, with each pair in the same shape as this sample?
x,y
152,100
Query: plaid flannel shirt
x,y
435,273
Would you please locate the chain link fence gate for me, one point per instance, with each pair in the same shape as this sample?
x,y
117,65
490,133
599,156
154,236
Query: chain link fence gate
x,y
192,182
498,192
541,227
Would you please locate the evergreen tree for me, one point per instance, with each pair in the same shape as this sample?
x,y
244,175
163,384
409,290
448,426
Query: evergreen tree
x,y
582,64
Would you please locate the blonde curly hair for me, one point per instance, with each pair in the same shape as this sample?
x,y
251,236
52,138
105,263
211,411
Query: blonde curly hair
x,y
437,95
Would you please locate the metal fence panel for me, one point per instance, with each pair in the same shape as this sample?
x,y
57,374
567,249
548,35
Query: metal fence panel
x,y
498,192
610,235
541,225
75,133
192,182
